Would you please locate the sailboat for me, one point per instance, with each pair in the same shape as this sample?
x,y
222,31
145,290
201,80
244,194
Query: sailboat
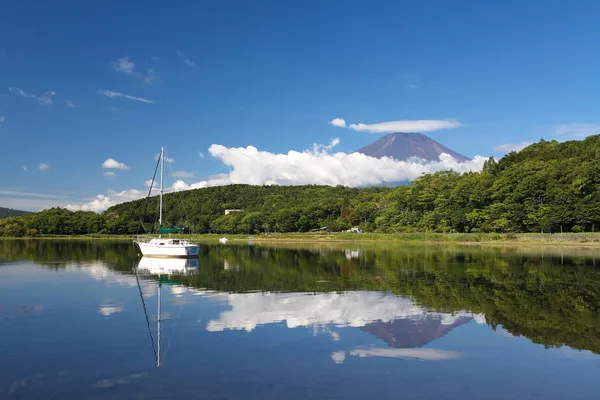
x,y
169,247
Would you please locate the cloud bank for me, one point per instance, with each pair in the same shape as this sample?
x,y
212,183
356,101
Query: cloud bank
x,y
423,125
318,165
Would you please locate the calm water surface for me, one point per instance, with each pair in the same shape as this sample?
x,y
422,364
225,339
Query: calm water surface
x,y
327,322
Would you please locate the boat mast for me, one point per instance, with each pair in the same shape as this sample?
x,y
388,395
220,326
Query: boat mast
x,y
162,167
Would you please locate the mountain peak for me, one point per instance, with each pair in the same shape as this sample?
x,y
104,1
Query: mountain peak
x,y
404,145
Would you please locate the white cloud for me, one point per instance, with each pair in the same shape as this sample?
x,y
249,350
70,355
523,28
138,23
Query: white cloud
x,y
69,104
43,99
43,167
508,147
339,122
109,173
420,354
317,166
1,119
201,154
183,174
576,130
112,95
113,164
410,86
186,60
123,64
406,126
25,168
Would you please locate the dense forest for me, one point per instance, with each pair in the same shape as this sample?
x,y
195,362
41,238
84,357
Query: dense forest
x,y
546,187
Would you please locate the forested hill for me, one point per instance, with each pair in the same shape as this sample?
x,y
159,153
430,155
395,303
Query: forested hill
x,y
9,212
547,187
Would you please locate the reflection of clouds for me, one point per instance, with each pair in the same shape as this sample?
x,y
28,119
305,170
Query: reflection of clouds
x,y
338,357
109,309
419,354
355,309
100,272
107,383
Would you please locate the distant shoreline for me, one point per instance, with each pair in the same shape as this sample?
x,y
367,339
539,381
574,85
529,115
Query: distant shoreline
x,y
548,239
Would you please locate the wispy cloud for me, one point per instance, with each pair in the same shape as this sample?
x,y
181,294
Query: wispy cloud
x,y
25,168
186,60
1,119
183,174
123,64
201,154
43,99
411,86
338,122
113,164
12,192
112,95
576,130
43,167
69,104
109,173
424,125
508,147
126,66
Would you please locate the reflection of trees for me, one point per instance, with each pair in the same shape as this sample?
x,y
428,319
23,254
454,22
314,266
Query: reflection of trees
x,y
552,300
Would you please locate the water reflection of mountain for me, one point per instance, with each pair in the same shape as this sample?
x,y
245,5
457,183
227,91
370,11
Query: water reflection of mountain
x,y
404,333
551,296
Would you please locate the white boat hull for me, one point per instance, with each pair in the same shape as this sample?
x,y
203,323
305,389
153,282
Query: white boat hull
x,y
166,248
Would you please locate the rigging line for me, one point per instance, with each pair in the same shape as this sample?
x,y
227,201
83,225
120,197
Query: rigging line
x,y
147,197
146,314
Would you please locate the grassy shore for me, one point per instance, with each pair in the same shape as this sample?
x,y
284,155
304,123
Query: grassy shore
x,y
559,239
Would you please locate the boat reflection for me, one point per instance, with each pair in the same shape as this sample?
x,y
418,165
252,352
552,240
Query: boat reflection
x,y
167,266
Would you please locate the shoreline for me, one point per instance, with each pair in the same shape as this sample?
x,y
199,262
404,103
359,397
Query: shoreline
x,y
463,239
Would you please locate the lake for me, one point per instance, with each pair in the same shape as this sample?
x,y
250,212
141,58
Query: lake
x,y
93,320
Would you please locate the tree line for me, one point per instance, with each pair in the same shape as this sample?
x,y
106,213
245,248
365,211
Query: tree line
x,y
546,187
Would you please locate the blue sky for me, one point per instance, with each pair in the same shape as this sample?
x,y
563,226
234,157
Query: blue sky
x,y
272,75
